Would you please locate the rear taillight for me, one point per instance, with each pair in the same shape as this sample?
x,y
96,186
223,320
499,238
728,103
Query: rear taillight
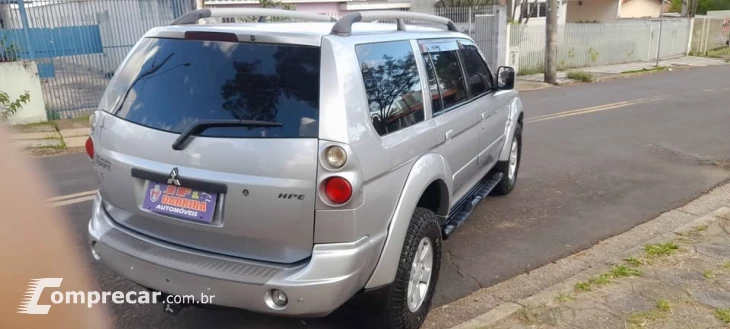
x,y
338,189
90,147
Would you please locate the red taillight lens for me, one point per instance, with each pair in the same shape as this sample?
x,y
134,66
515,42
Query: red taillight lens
x,y
338,189
90,147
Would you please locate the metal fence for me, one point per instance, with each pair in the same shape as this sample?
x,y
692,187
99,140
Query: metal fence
x,y
78,44
591,44
485,24
709,34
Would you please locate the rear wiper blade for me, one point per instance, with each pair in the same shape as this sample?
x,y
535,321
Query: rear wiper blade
x,y
200,126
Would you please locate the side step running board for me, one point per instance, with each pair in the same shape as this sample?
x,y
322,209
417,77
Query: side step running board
x,y
463,208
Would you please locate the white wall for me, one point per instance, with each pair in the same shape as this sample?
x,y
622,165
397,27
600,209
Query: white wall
x,y
602,11
17,78
640,8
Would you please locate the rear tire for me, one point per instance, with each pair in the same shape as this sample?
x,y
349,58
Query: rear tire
x,y
509,179
403,311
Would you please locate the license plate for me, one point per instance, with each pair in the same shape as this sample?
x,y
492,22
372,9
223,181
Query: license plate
x,y
178,201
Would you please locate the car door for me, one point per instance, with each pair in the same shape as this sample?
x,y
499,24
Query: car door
x,y
492,107
456,121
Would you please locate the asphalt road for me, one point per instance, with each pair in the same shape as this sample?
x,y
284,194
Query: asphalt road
x,y
658,142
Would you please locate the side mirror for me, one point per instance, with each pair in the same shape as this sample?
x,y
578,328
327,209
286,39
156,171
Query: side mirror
x,y
505,78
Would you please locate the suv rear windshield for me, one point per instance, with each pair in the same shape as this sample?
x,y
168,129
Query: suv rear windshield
x,y
169,84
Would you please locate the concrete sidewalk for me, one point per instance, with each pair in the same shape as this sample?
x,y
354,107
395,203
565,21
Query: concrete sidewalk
x,y
535,81
53,137
672,272
680,283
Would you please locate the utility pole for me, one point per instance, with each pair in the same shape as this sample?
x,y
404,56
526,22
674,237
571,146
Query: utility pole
x,y
659,41
551,42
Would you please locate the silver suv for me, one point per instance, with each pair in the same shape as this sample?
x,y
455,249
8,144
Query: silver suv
x,y
285,167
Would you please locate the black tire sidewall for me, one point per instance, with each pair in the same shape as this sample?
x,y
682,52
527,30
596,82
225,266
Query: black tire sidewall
x,y
423,224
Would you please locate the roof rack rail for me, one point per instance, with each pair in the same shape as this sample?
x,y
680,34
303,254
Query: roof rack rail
x,y
193,16
343,27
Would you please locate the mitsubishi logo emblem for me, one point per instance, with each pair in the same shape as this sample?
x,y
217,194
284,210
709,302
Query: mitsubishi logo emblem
x,y
173,177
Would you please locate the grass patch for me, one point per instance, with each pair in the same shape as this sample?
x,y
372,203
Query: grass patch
x,y
633,261
38,124
642,319
708,274
600,280
83,118
582,76
718,52
619,271
660,249
564,298
583,286
723,315
530,71
700,228
644,70
663,305
726,265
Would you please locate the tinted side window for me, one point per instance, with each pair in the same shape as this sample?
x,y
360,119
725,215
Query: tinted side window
x,y
392,85
448,72
477,74
436,104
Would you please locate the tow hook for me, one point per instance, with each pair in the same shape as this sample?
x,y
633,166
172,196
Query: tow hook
x,y
171,308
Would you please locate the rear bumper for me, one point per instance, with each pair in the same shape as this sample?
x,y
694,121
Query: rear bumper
x,y
333,274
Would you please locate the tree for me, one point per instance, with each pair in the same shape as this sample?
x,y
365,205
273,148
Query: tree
x,y
251,95
526,11
703,6
274,4
676,6
386,82
8,108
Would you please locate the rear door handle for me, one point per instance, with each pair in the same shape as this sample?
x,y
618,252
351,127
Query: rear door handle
x,y
485,116
448,134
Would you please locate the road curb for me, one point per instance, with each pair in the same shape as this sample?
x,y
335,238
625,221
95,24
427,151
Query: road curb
x,y
492,317
505,310
611,76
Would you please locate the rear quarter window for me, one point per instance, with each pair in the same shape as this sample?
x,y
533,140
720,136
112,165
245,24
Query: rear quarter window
x,y
392,85
169,84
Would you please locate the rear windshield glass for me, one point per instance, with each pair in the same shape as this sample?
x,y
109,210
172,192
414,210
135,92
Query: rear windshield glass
x,y
169,84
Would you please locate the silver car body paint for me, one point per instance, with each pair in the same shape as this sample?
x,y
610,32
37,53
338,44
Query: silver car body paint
x,y
319,253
